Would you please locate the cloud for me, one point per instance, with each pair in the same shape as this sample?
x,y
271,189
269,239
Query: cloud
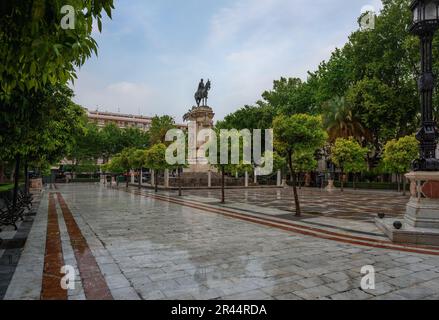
x,y
258,41
230,21
127,97
129,89
153,61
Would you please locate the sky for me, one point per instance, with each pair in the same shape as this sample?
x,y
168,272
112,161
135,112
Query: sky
x,y
153,53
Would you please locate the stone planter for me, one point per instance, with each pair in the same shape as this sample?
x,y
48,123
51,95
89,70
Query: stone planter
x,y
36,183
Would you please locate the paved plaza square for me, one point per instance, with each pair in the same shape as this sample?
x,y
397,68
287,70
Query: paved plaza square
x,y
219,153
360,205
135,244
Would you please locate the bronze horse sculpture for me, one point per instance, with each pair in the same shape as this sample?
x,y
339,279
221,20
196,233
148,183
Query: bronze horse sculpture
x,y
202,93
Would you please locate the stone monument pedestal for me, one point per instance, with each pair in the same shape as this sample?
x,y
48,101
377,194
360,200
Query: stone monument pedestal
x,y
200,118
331,186
421,222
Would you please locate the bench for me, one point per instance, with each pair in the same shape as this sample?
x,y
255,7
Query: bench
x,y
10,214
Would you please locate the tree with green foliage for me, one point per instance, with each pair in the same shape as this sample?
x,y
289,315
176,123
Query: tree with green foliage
x,y
367,89
159,127
399,155
178,144
55,141
36,51
299,133
279,162
114,167
45,133
304,162
348,156
37,56
88,146
376,71
133,137
375,102
249,117
49,127
122,163
332,78
222,146
111,141
104,143
290,96
340,121
126,162
138,161
156,160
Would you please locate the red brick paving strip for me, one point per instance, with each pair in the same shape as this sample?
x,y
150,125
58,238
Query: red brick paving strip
x,y
53,259
94,284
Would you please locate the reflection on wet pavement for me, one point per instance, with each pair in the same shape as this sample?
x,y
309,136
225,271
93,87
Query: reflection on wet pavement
x,y
153,249
169,251
355,205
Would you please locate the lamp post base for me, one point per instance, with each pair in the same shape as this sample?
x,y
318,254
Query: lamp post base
x,y
408,234
421,222
423,165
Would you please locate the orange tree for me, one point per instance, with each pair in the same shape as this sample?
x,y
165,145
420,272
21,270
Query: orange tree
x,y
297,134
348,156
155,159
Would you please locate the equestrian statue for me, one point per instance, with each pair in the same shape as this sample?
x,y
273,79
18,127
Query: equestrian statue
x,y
202,93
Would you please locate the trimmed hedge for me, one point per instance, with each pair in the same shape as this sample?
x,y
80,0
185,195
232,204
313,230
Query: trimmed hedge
x,y
6,187
87,176
121,179
9,186
85,180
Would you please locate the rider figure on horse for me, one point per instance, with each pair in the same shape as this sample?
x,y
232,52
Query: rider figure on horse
x,y
203,91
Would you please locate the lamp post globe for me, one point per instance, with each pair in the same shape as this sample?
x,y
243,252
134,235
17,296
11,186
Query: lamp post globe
x,y
425,24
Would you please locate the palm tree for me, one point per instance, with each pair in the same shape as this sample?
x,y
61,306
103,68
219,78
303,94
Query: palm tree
x,y
340,121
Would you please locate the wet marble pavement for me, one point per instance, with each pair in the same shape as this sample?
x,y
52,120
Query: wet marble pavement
x,y
360,205
151,248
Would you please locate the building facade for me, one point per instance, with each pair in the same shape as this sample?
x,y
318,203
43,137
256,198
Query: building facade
x,y
123,121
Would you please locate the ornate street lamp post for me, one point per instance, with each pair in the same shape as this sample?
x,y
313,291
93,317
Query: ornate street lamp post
x,y
421,221
425,24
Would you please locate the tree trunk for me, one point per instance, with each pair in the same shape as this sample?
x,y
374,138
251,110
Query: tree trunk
x,y
179,183
2,172
140,179
16,177
223,196
404,185
127,179
342,180
26,178
296,195
398,182
354,181
12,175
156,189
